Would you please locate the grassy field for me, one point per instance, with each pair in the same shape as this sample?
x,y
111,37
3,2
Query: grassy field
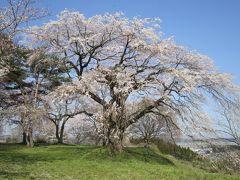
x,y
86,162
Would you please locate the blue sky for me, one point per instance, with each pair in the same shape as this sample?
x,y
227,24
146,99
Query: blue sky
x,y
211,27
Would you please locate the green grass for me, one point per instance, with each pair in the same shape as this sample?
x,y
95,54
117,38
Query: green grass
x,y
86,162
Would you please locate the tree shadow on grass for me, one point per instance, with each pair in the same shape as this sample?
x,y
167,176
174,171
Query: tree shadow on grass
x,y
10,147
147,155
13,175
130,154
21,154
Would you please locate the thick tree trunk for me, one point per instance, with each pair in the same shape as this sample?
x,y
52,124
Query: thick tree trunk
x,y
114,132
115,141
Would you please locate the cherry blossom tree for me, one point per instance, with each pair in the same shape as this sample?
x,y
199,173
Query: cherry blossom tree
x,y
134,63
152,127
12,20
85,131
41,74
59,112
16,13
5,46
230,122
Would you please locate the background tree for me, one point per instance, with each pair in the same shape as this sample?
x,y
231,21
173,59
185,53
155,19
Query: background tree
x,y
12,56
230,124
11,62
45,73
11,18
60,111
42,74
152,127
86,132
16,14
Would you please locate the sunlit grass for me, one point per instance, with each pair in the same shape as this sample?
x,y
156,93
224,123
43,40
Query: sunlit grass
x,y
87,162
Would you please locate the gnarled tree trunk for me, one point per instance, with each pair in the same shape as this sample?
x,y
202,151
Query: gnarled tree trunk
x,y
115,139
115,142
115,123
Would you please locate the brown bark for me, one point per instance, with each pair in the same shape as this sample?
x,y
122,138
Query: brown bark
x,y
115,145
115,140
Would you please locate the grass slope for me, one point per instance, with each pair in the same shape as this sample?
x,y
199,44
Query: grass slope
x,y
86,162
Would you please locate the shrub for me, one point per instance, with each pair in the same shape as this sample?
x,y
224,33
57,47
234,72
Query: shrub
x,y
229,163
172,149
175,150
40,140
11,140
